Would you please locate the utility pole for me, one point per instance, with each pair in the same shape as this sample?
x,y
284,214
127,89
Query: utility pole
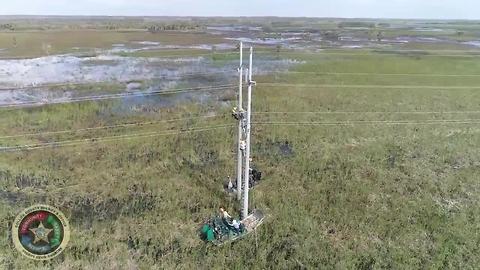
x,y
240,126
246,175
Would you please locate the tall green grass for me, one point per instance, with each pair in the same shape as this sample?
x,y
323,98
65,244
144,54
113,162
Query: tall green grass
x,y
349,197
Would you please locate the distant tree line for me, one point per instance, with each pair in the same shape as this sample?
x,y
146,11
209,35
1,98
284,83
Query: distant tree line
x,y
356,24
112,27
331,35
7,26
384,25
173,27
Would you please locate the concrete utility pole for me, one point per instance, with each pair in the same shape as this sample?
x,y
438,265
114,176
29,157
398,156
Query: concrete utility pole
x,y
240,126
246,76
246,175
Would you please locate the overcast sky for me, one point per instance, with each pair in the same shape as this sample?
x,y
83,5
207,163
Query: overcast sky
x,y
431,9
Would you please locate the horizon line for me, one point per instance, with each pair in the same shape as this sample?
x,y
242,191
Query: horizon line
x,y
228,16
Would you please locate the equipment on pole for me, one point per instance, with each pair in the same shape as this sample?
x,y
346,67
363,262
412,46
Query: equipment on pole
x,y
246,175
220,230
239,117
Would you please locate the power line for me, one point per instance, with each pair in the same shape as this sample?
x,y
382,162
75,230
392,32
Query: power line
x,y
350,123
224,87
370,50
371,112
109,139
13,88
379,74
379,53
226,72
192,55
117,96
209,128
107,127
135,124
186,55
363,86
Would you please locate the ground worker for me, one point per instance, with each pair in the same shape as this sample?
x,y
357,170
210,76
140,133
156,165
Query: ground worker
x,y
236,226
225,216
230,184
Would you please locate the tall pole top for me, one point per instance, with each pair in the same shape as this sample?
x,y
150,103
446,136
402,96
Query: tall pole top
x,y
241,54
251,65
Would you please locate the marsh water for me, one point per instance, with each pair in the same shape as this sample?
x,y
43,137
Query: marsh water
x,y
50,78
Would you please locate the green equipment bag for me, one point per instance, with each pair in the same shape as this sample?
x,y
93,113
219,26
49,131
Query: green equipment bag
x,y
208,233
210,236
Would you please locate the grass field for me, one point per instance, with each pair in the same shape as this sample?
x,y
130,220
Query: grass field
x,y
355,196
26,44
381,171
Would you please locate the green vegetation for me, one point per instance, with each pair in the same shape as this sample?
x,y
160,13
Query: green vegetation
x,y
399,193
360,196
26,44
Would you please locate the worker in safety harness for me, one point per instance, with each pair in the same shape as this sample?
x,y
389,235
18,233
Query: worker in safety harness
x,y
227,219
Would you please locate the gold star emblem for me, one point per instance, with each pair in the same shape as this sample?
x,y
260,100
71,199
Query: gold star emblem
x,y
41,233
